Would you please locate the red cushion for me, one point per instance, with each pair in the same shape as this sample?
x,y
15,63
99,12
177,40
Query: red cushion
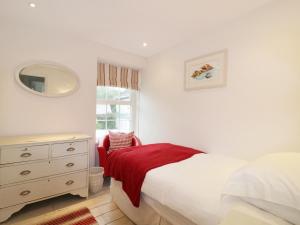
x,y
120,140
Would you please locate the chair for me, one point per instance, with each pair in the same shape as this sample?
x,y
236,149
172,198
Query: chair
x,y
102,150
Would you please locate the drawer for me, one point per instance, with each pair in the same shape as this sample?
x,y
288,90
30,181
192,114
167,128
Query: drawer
x,y
23,193
69,164
70,148
68,182
17,173
24,153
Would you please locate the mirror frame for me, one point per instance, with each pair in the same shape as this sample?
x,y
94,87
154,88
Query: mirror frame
x,y
51,63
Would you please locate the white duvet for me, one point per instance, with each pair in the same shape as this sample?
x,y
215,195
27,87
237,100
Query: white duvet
x,y
192,187
249,214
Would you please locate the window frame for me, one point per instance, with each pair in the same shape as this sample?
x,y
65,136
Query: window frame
x,y
133,103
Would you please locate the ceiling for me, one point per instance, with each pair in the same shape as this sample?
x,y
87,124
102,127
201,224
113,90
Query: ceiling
x,y
126,24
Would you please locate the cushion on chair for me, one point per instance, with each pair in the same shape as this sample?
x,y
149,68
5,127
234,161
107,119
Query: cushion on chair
x,y
120,140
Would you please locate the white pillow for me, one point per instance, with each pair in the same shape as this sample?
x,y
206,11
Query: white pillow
x,y
272,183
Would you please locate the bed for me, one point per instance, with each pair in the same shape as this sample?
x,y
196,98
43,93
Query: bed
x,y
177,189
152,212
210,189
244,213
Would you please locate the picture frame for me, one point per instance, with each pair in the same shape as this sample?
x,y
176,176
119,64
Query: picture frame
x,y
207,71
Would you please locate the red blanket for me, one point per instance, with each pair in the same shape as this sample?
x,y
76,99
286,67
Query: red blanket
x,y
130,165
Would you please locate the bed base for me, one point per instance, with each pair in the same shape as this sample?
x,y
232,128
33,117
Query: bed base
x,y
149,212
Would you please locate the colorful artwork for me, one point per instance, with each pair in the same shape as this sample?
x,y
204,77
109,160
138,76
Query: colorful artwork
x,y
206,71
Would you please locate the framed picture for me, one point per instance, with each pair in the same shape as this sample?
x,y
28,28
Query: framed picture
x,y
207,71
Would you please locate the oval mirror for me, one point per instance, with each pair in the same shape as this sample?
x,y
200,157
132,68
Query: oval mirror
x,y
47,79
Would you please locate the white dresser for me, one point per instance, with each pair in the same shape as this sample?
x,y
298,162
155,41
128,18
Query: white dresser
x,y
34,168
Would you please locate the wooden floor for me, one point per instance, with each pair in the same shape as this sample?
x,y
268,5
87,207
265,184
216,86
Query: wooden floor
x,y
102,208
108,213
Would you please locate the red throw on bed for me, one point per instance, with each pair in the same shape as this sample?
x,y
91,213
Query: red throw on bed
x,y
130,165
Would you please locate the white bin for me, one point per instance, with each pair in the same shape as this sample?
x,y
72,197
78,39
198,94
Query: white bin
x,y
96,179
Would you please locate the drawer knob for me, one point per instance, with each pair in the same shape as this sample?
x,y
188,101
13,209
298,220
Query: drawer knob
x,y
70,182
71,149
24,193
26,155
70,164
25,172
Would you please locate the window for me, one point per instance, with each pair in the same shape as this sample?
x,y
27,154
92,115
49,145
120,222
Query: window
x,y
115,110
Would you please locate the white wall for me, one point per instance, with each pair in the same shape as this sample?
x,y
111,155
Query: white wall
x,y
23,113
259,109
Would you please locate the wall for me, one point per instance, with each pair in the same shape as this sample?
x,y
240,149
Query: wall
x,y
23,113
259,109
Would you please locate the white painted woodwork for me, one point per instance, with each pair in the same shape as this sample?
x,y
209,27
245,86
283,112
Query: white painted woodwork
x,y
71,148
28,171
23,193
34,168
68,182
19,173
49,138
68,164
23,153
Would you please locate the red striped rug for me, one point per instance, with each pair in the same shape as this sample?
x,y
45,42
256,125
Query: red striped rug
x,y
79,217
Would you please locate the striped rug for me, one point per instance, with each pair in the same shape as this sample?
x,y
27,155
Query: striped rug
x,y
79,217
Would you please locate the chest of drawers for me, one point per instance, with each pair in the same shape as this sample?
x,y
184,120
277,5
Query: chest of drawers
x,y
34,168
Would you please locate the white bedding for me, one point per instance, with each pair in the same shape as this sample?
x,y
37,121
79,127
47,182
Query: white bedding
x,y
150,211
236,211
244,213
192,187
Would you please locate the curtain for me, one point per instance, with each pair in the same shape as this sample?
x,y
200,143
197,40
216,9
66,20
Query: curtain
x,y
117,76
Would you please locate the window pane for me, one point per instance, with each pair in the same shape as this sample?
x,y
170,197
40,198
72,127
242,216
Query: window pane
x,y
100,125
101,92
125,112
101,109
111,114
112,108
100,118
111,124
101,112
112,93
125,125
112,111
125,94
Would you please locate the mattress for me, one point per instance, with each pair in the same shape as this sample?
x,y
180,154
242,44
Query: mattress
x,y
192,187
188,191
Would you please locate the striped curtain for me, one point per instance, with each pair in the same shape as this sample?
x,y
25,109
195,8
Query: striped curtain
x,y
115,76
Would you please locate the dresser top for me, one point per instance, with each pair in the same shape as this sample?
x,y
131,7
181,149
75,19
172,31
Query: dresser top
x,y
34,139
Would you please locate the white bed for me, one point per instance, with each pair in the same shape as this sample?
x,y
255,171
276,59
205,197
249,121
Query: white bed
x,y
184,193
207,187
152,212
190,193
240,212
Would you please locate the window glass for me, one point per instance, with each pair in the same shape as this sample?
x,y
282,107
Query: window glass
x,y
114,110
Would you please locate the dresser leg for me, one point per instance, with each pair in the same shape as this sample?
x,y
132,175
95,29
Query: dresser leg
x,y
5,213
84,192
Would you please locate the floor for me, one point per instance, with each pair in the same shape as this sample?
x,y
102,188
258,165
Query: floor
x,y
100,205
